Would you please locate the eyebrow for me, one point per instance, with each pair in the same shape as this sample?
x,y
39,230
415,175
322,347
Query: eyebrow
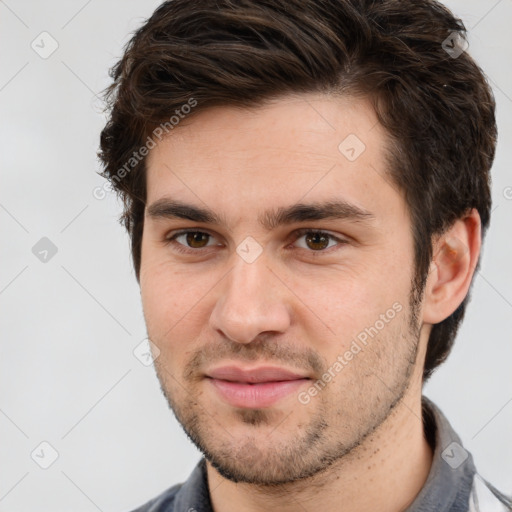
x,y
301,212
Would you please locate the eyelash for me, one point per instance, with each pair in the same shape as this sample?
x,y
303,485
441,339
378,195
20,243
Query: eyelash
x,y
297,234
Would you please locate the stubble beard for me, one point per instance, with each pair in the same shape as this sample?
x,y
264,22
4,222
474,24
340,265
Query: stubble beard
x,y
336,427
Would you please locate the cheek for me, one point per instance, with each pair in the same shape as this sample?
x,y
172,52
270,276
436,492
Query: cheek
x,y
330,305
173,302
351,300
162,297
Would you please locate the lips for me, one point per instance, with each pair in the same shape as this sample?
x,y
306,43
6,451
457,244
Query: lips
x,y
254,388
254,376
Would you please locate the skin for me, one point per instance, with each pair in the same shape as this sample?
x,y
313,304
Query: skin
x,y
299,305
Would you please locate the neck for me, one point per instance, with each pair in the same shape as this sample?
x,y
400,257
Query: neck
x,y
385,473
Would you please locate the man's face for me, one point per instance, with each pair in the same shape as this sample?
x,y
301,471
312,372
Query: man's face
x,y
332,308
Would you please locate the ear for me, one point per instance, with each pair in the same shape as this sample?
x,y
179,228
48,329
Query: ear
x,y
455,258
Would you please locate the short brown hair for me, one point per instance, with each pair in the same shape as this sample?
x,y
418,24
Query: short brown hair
x,y
436,106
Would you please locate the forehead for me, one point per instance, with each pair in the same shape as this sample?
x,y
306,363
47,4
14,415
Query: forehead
x,y
296,149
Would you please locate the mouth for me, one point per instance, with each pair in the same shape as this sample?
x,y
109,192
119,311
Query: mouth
x,y
254,388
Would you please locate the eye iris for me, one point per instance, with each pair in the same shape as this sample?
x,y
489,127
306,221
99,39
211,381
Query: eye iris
x,y
195,236
314,239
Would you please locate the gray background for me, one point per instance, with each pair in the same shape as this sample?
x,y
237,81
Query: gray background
x,y
69,325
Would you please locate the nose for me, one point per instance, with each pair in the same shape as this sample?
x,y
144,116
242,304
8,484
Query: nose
x,y
251,300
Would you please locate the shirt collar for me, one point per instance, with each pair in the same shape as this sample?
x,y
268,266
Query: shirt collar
x,y
449,482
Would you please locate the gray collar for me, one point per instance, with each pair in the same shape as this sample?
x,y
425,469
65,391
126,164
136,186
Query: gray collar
x,y
449,482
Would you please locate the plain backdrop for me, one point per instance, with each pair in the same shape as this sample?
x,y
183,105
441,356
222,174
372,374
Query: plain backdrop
x,y
69,324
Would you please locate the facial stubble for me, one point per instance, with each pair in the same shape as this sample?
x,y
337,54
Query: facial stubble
x,y
275,450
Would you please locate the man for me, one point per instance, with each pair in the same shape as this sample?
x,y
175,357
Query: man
x,y
306,187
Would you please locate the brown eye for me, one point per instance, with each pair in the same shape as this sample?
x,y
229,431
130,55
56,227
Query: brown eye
x,y
193,241
317,241
196,237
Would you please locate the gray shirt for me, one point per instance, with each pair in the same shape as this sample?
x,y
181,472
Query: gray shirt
x,y
453,484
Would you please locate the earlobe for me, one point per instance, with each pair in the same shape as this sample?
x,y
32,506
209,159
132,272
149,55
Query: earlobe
x,y
455,258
